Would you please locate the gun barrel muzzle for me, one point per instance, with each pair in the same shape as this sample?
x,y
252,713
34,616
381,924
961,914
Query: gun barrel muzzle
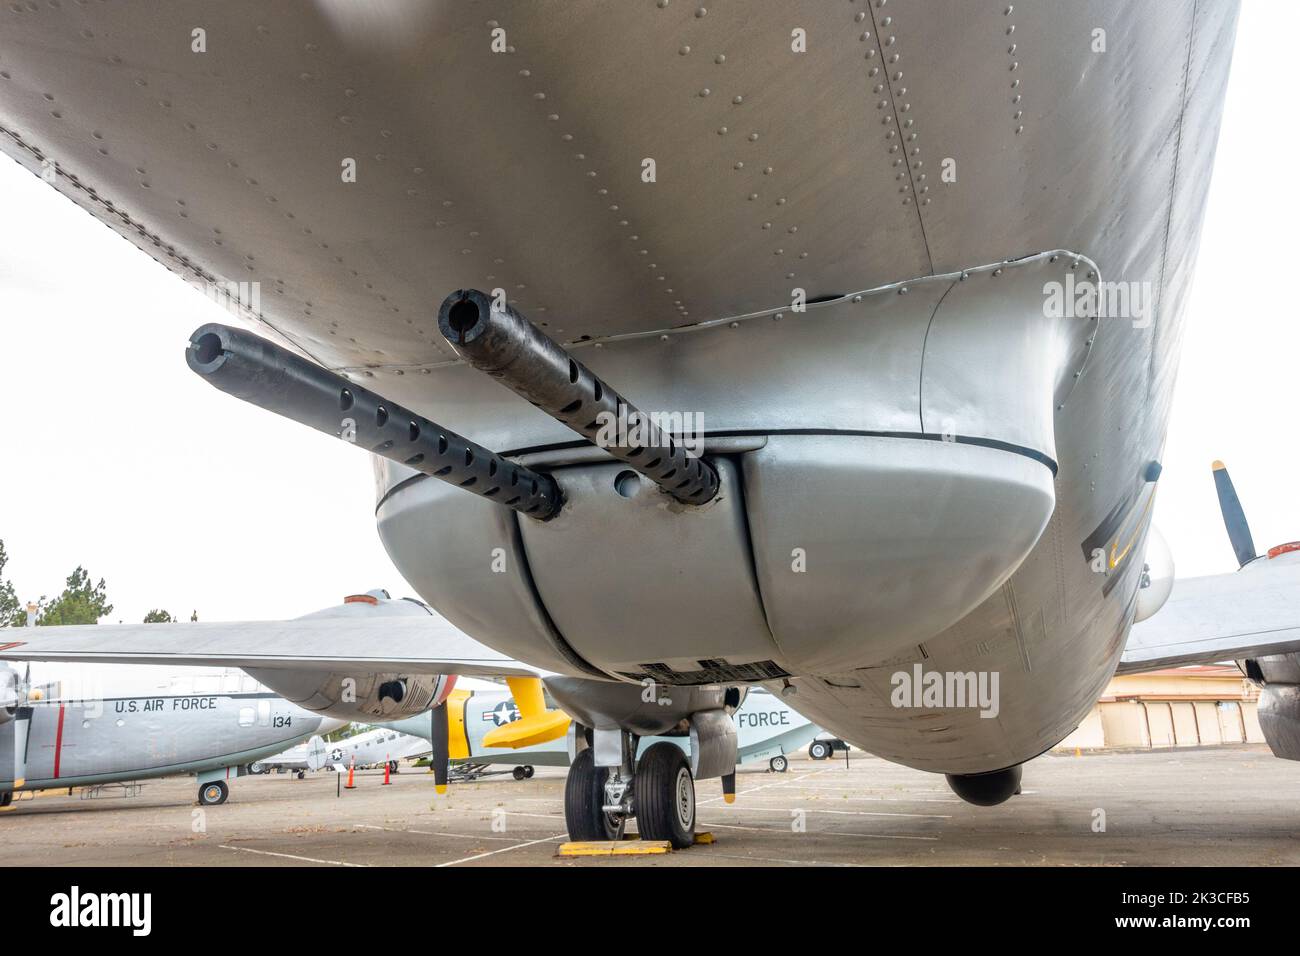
x,y
496,339
249,367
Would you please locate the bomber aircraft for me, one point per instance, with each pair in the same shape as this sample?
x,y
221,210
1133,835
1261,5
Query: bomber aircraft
x,y
800,344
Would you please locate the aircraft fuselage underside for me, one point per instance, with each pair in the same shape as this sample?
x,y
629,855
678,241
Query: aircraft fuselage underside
x,y
888,497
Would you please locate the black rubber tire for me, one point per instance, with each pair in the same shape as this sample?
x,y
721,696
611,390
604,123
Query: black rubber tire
x,y
529,770
778,764
519,773
584,796
302,774
986,789
819,750
213,793
6,798
665,796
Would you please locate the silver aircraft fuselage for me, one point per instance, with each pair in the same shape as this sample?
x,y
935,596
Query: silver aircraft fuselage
x,y
945,459
76,743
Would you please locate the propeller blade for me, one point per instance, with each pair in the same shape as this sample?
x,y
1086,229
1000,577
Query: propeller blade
x,y
440,757
1234,518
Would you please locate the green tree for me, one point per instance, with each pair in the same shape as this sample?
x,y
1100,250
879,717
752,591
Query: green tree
x,y
9,609
158,617
80,603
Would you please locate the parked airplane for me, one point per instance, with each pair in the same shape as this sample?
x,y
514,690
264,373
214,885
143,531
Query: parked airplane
x,y
312,754
374,746
207,723
766,729
903,394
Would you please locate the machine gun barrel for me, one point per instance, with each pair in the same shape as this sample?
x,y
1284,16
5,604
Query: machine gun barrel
x,y
249,367
498,340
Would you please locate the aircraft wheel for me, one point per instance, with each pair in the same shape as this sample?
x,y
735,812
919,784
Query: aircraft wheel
x,y
819,750
392,766
665,796
302,774
986,789
584,796
779,764
213,793
6,798
529,770
519,773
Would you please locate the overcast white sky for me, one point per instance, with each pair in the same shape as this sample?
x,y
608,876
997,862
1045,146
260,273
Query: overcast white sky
x,y
117,458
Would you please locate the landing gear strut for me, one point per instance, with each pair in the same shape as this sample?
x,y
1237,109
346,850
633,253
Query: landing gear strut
x,y
657,790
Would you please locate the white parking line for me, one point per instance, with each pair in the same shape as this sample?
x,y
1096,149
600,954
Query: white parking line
x,y
459,836
769,859
764,786
874,836
288,856
504,849
733,807
508,813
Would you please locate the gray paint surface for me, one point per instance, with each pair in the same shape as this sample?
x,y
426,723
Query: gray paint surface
x,y
775,170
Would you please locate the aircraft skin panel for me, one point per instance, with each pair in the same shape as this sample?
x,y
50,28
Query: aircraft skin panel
x,y
250,136
286,94
231,169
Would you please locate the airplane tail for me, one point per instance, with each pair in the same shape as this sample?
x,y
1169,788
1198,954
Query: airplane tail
x,y
316,752
536,724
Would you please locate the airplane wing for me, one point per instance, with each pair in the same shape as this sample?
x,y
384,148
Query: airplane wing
x,y
1250,613
416,645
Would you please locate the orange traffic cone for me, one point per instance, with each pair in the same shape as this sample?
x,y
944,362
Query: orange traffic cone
x,y
387,765
352,766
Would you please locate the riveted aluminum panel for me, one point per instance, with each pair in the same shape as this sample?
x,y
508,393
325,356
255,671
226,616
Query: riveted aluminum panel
x,y
998,363
681,588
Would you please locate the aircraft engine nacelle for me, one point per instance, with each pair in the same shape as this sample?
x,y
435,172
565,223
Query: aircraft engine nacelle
x,y
360,697
1279,701
1157,575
